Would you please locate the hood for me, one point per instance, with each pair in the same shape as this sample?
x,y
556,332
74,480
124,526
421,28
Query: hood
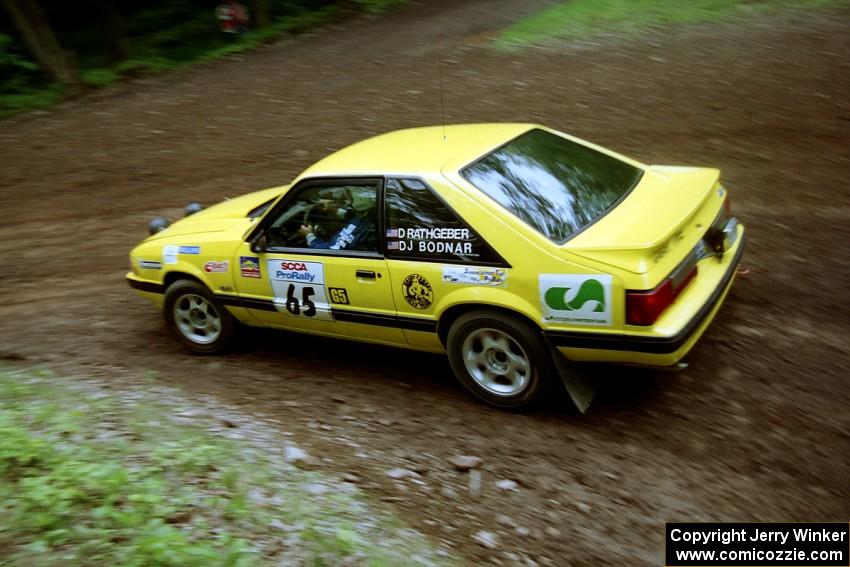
x,y
653,220
221,216
238,207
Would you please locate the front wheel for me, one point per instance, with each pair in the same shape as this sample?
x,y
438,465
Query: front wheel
x,y
197,318
500,359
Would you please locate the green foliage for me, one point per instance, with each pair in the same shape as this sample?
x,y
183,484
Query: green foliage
x,y
22,85
15,70
99,77
578,18
91,478
378,6
164,35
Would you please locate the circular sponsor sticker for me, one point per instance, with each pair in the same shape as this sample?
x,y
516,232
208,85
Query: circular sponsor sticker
x,y
417,291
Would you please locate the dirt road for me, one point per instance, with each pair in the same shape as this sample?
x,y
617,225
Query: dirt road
x,y
757,429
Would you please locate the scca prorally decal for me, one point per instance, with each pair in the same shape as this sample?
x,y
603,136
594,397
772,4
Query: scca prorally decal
x,y
475,275
299,288
289,270
194,250
150,265
217,267
417,291
249,266
579,299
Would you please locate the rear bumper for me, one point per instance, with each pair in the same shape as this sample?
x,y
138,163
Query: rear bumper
x,y
649,349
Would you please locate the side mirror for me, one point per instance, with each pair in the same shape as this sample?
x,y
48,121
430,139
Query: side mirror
x,y
260,243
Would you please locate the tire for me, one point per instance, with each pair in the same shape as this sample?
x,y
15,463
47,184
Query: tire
x,y
197,318
500,359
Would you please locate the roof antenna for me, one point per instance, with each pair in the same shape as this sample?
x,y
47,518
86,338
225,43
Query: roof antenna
x,y
442,98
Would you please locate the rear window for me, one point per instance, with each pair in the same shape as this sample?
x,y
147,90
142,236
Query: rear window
x,y
557,186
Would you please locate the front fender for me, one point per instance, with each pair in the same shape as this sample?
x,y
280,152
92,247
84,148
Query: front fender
x,y
153,284
174,271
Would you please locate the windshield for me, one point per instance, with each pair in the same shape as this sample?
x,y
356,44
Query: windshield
x,y
555,185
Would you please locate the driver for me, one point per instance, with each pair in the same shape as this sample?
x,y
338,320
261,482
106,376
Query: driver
x,y
357,232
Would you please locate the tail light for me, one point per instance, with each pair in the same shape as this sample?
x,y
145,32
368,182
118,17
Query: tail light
x,y
645,307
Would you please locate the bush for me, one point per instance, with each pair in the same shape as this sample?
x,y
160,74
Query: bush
x,y
17,74
378,6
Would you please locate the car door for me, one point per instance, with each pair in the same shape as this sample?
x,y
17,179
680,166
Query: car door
x,y
431,251
317,265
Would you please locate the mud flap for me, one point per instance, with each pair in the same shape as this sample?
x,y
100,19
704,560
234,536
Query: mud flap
x,y
579,388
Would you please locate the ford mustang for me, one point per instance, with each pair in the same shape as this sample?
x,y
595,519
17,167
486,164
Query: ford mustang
x,y
516,249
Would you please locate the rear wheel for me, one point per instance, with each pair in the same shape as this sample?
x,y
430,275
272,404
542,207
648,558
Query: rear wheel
x,y
500,359
197,318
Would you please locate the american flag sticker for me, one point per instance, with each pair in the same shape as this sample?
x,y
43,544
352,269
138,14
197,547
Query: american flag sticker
x,y
392,245
392,233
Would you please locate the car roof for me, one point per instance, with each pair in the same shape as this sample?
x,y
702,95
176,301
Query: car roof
x,y
416,151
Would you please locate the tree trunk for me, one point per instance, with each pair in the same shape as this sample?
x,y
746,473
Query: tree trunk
x,y
116,33
261,13
40,39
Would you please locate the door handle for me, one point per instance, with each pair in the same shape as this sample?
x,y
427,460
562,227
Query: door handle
x,y
368,274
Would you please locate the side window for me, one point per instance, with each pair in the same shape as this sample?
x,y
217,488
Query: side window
x,y
420,226
328,217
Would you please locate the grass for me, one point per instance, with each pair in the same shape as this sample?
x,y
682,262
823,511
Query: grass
x,y
580,18
95,476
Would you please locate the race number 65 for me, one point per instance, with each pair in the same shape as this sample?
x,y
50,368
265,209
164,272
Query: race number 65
x,y
295,307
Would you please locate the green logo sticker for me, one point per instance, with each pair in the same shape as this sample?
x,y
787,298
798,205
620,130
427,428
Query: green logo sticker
x,y
590,290
576,298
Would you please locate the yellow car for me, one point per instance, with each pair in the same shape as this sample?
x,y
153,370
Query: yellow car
x,y
516,249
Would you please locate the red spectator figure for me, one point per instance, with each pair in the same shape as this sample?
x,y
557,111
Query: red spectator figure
x,y
232,17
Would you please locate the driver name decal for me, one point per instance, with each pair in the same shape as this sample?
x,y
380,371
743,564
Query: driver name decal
x,y
455,241
299,288
577,299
